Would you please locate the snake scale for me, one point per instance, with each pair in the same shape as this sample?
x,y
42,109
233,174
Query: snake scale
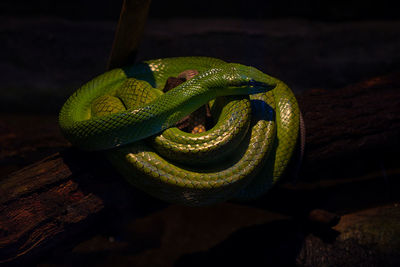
x,y
125,113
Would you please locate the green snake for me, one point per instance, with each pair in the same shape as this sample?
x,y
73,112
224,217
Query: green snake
x,y
125,113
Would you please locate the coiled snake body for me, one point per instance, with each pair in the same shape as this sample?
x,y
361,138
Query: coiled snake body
x,y
125,112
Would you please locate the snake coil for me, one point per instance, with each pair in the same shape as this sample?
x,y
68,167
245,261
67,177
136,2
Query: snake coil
x,y
124,112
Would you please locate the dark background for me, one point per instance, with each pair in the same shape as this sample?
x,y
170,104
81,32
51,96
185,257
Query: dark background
x,y
50,48
251,9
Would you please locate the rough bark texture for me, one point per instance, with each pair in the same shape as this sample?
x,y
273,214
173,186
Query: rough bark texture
x,y
352,139
358,123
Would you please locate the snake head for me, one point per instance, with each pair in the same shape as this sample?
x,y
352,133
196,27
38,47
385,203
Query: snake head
x,y
247,79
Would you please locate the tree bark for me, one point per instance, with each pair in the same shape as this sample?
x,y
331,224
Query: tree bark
x,y
352,136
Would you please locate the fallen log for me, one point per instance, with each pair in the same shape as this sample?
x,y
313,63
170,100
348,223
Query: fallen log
x,y
351,133
365,238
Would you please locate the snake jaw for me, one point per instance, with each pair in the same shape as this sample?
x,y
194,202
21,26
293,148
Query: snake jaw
x,y
259,87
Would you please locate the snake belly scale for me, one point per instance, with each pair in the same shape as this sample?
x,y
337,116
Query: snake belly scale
x,y
125,113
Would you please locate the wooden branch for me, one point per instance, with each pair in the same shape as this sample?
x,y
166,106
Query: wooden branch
x,y
357,125
44,203
365,238
129,30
